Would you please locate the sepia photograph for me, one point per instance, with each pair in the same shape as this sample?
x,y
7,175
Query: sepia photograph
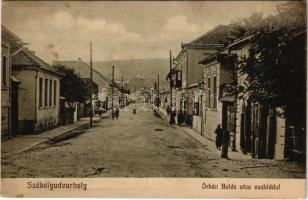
x,y
153,89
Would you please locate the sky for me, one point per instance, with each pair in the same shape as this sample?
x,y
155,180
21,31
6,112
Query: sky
x,y
119,30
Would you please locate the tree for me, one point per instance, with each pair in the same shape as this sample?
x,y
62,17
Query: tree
x,y
73,88
276,67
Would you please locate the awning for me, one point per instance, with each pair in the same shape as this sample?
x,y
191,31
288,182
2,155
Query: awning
x,y
14,79
227,98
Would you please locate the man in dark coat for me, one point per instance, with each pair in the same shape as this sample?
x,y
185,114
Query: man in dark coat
x,y
168,110
117,112
219,134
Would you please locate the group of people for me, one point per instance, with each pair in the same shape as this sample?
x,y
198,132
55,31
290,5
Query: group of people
x,y
222,141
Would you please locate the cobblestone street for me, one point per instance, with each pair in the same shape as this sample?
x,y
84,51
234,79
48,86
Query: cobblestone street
x,y
137,145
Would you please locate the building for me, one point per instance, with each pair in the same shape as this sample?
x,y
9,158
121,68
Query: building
x,y
136,84
218,72
254,128
189,72
5,84
11,44
38,92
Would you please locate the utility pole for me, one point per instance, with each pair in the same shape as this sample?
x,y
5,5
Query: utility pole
x,y
122,97
158,84
158,92
170,65
91,81
172,114
112,89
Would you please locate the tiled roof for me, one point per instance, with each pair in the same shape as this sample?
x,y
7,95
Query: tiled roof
x,y
83,69
24,57
219,35
10,37
27,58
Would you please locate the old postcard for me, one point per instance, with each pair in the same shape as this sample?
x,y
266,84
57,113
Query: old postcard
x,y
153,99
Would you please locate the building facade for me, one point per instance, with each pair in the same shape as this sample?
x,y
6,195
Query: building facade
x,y
255,128
38,92
5,88
187,63
11,44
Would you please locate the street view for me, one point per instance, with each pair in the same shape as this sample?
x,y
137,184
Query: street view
x,y
118,89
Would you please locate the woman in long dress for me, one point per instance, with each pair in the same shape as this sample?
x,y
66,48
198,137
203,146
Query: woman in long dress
x,y
219,133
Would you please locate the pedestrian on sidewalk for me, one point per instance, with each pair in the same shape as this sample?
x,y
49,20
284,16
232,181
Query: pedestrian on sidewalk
x,y
134,110
117,113
168,109
181,117
225,144
172,116
113,113
219,134
100,111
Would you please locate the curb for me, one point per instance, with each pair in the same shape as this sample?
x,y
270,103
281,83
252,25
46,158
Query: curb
x,y
191,133
67,134
73,132
51,139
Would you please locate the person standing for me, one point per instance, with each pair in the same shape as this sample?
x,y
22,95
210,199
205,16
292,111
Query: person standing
x,y
168,110
225,144
117,113
219,134
100,110
135,109
114,113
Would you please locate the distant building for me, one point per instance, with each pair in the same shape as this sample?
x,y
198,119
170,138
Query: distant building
x,y
136,84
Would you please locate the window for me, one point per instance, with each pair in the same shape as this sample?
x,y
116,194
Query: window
x,y
214,93
231,118
179,78
50,93
209,92
55,93
46,92
41,93
196,108
4,70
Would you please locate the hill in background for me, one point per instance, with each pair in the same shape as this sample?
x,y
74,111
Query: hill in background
x,y
146,69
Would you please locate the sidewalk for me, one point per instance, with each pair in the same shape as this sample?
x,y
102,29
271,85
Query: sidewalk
x,y
207,142
22,143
